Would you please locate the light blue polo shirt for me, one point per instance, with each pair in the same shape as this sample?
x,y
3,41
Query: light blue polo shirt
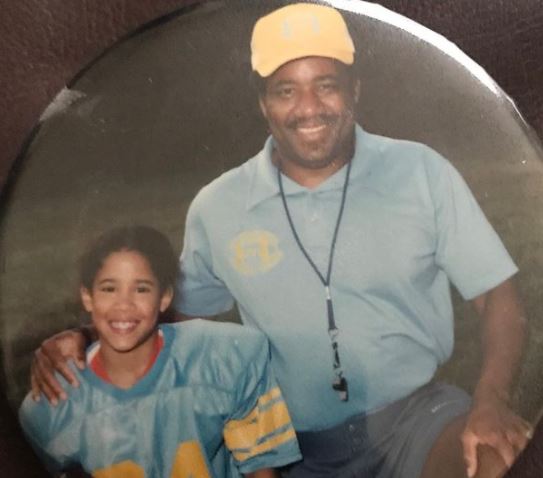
x,y
409,227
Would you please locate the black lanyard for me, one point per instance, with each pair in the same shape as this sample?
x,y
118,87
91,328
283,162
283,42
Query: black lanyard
x,y
340,383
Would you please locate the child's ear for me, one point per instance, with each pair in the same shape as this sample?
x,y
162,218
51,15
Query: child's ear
x,y
166,299
86,298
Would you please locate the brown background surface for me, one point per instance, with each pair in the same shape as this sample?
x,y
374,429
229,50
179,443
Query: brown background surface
x,y
45,43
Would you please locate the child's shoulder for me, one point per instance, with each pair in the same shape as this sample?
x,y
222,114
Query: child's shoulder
x,y
41,417
212,333
207,345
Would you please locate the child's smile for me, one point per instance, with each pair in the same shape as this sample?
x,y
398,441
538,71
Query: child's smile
x,y
125,302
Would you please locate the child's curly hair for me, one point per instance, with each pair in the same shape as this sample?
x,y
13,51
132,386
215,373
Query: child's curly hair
x,y
147,241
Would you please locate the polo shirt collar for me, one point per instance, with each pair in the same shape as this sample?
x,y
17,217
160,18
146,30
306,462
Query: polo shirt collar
x,y
264,175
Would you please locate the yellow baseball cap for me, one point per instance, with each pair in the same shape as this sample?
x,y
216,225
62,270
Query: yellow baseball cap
x,y
297,31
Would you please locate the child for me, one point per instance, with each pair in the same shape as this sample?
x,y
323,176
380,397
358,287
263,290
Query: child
x,y
195,399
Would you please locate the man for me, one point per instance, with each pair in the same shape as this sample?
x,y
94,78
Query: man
x,y
340,246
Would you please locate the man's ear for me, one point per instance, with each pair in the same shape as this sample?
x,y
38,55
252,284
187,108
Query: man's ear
x,y
263,108
166,299
86,298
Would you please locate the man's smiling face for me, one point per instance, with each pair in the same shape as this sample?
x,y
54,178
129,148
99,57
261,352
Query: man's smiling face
x,y
309,105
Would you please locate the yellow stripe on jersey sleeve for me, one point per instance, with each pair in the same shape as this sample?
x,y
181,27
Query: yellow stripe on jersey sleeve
x,y
258,432
252,417
247,434
268,397
267,445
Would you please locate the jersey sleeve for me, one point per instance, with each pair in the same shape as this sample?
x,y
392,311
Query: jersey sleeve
x,y
53,432
468,249
259,433
200,292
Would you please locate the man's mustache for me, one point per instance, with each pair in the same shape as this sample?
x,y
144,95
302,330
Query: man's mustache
x,y
318,120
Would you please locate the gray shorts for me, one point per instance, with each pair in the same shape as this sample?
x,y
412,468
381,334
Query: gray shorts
x,y
393,442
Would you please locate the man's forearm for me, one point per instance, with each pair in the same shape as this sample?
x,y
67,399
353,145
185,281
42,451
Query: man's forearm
x,y
503,337
491,421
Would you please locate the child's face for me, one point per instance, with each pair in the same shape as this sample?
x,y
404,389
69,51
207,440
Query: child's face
x,y
125,301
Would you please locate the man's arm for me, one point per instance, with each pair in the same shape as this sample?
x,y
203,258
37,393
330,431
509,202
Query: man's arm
x,y
491,420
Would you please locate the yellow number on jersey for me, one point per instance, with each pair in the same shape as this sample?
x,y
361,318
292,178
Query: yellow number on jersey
x,y
189,462
124,469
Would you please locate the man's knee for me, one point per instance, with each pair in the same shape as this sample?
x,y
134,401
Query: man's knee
x,y
446,457
490,463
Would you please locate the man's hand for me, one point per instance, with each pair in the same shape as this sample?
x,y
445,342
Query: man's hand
x,y
491,422
53,355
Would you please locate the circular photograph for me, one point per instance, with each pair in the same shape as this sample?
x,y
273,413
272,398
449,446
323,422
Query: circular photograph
x,y
259,236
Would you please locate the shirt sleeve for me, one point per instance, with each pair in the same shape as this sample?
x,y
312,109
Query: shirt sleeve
x,y
200,292
468,249
52,432
259,433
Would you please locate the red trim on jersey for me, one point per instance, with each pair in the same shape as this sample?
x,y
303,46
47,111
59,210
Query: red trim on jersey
x,y
97,365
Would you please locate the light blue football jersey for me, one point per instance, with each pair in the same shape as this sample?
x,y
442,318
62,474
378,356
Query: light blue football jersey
x,y
208,407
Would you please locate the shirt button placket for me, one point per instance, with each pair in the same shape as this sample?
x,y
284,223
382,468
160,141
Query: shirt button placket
x,y
311,225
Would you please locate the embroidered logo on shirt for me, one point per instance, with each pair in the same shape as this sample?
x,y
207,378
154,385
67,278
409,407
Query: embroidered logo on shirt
x,y
254,252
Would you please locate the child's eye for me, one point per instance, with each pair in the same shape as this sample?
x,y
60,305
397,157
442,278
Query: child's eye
x,y
107,288
143,289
